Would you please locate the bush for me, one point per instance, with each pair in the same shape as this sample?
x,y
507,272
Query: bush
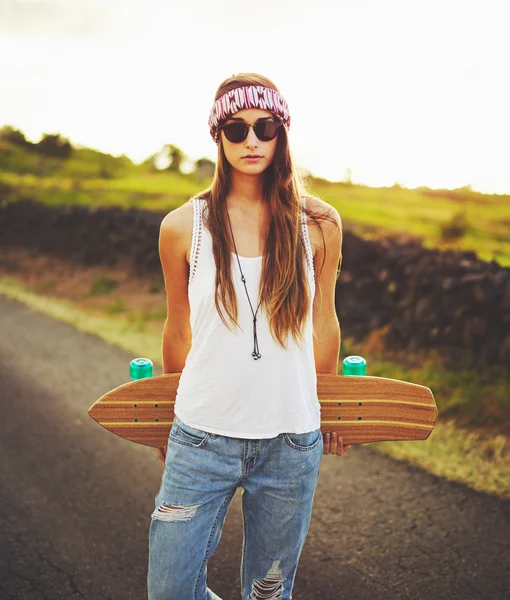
x,y
455,228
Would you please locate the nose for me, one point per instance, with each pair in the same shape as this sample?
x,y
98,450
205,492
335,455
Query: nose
x,y
251,139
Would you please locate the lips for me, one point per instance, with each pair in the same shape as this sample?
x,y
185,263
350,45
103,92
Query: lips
x,y
252,156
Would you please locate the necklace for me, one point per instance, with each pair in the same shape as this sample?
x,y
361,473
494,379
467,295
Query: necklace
x,y
256,354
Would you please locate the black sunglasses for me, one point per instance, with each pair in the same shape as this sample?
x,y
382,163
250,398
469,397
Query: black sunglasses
x,y
264,130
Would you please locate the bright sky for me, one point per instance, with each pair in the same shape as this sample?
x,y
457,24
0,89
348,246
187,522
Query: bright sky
x,y
415,91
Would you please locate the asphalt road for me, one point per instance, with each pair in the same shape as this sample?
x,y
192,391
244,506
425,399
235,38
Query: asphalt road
x,y
75,500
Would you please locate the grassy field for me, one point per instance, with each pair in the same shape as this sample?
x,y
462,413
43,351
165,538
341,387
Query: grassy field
x,y
468,221
442,219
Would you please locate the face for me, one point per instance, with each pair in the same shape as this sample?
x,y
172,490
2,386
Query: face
x,y
235,153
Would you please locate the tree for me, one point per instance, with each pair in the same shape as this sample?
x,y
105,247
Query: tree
x,y
9,134
176,157
204,168
54,145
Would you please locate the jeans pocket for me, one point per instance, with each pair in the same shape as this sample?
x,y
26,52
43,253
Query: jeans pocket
x,y
187,435
303,441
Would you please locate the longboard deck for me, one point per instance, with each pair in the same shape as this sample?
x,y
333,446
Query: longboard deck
x,y
360,408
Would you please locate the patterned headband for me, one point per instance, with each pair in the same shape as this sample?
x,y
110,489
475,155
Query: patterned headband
x,y
252,96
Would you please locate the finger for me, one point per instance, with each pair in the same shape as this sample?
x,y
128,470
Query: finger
x,y
334,442
326,443
345,448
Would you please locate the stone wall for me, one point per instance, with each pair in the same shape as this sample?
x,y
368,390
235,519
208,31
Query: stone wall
x,y
424,299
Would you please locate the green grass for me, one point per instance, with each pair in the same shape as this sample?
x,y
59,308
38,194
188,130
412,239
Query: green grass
x,y
102,285
163,191
117,306
402,211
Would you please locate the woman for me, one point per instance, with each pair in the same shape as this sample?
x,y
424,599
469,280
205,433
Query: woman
x,y
240,266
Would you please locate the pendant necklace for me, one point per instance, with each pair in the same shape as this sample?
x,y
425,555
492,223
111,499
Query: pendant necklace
x,y
256,354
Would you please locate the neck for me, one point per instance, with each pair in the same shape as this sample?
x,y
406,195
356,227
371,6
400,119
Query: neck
x,y
246,192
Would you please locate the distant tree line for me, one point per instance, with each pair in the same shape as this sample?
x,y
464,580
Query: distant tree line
x,y
53,151
49,144
173,158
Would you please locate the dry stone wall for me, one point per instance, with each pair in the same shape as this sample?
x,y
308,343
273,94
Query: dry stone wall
x,y
450,301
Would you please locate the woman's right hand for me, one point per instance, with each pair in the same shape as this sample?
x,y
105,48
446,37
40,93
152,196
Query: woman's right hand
x,y
162,454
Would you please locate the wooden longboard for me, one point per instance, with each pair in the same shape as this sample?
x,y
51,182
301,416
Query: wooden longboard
x,y
360,408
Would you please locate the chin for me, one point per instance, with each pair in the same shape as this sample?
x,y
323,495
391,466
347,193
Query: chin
x,y
251,169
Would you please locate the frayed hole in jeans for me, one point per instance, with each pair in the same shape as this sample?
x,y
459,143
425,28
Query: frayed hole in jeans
x,y
269,588
170,512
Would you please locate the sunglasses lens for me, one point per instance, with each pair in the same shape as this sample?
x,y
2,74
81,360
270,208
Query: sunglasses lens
x,y
266,130
235,132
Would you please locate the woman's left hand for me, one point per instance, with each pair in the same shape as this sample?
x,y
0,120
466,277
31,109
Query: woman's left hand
x,y
333,444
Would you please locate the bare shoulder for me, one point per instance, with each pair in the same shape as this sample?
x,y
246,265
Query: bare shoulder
x,y
177,227
319,207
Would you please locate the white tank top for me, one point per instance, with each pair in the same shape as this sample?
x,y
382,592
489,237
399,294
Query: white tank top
x,y
222,389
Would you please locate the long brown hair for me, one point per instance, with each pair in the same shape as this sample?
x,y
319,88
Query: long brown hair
x,y
283,288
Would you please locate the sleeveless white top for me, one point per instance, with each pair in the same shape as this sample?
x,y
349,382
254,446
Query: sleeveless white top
x,y
222,389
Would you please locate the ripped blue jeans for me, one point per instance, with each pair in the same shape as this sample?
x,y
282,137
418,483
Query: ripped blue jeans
x,y
202,472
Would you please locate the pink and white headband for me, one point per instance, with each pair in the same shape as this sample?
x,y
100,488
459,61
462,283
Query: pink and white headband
x,y
252,96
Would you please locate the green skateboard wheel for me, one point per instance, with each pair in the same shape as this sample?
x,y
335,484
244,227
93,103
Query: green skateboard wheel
x,y
354,365
140,368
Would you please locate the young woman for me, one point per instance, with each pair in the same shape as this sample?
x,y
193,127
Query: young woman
x,y
241,263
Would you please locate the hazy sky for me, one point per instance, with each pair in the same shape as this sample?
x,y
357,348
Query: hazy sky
x,y
396,90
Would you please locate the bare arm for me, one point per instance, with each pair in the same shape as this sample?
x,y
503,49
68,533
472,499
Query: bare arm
x,y
325,322
176,341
